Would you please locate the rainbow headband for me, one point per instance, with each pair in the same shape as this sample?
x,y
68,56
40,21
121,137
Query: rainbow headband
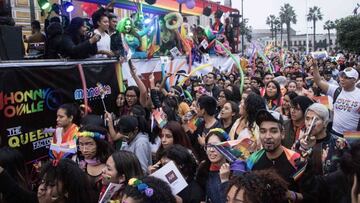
x,y
221,131
94,135
141,187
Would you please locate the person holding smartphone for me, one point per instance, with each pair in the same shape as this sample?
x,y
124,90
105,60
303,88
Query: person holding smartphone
x,y
324,145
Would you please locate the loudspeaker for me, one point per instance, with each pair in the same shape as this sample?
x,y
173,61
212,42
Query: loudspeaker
x,y
207,11
11,43
150,1
218,14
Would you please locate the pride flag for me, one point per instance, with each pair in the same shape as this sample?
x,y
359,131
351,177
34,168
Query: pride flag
x,y
352,136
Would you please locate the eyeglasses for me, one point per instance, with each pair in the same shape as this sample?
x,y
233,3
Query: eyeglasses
x,y
209,147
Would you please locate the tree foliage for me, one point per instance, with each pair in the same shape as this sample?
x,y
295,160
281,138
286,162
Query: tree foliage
x,y
348,33
287,13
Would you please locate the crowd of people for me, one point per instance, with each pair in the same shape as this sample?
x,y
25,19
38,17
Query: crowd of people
x,y
297,149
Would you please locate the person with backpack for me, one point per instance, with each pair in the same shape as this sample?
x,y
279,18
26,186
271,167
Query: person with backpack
x,y
346,99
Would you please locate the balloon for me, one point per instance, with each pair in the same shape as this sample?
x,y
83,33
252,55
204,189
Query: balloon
x,y
89,8
237,64
190,4
181,1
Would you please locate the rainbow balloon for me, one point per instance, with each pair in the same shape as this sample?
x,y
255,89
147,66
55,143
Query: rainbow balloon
x,y
237,64
119,77
192,72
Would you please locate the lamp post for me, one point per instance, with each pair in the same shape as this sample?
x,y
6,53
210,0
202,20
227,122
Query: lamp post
x,y
307,27
242,22
32,10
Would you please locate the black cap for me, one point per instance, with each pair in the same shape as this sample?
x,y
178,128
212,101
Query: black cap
x,y
265,115
127,124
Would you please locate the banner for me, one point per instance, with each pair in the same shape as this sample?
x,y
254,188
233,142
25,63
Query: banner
x,y
30,96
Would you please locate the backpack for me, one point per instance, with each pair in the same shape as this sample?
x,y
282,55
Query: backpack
x,y
336,95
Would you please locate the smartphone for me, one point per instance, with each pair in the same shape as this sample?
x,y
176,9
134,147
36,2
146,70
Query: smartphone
x,y
307,138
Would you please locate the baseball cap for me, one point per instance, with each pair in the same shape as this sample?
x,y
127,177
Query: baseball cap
x,y
350,73
127,124
265,115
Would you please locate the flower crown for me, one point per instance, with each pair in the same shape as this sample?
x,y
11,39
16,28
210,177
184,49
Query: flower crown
x,y
221,131
94,135
141,187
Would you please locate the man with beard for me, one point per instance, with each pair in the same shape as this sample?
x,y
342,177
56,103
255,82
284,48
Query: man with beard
x,y
274,155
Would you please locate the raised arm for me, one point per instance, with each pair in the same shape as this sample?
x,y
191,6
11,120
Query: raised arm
x,y
324,86
140,84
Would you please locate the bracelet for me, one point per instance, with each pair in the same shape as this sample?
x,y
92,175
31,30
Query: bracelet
x,y
294,196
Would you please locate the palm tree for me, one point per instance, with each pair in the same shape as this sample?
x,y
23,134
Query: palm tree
x,y
270,20
329,25
314,15
288,14
282,20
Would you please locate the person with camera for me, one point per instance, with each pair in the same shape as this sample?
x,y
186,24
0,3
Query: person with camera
x,y
75,44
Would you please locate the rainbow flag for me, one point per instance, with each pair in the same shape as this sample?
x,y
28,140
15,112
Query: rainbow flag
x,y
352,136
159,117
324,100
299,173
194,123
235,149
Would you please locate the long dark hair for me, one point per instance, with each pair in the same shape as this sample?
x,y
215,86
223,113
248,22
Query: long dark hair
x,y
179,137
277,96
183,159
103,148
127,164
73,29
253,103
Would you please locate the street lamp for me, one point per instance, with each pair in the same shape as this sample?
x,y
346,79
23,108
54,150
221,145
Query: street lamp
x,y
242,33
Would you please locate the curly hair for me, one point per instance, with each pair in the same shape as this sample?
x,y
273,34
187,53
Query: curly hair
x,y
65,172
162,192
260,186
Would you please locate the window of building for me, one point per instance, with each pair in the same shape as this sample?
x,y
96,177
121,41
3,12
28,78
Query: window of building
x,y
331,42
294,43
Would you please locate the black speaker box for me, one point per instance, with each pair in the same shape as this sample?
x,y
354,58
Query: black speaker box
x,y
207,11
218,14
150,1
11,43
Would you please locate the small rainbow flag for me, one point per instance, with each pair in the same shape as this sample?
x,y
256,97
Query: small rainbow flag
x,y
299,173
352,136
194,123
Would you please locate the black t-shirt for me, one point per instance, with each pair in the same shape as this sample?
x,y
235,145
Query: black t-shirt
x,y
198,149
282,166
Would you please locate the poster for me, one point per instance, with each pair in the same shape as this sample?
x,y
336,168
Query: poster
x,y
30,96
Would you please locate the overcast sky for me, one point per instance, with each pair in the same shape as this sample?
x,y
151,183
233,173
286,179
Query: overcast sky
x,y
257,11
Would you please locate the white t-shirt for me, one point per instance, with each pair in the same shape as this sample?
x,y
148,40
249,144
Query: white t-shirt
x,y
103,43
346,109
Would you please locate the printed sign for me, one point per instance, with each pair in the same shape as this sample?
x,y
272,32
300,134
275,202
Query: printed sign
x,y
171,174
